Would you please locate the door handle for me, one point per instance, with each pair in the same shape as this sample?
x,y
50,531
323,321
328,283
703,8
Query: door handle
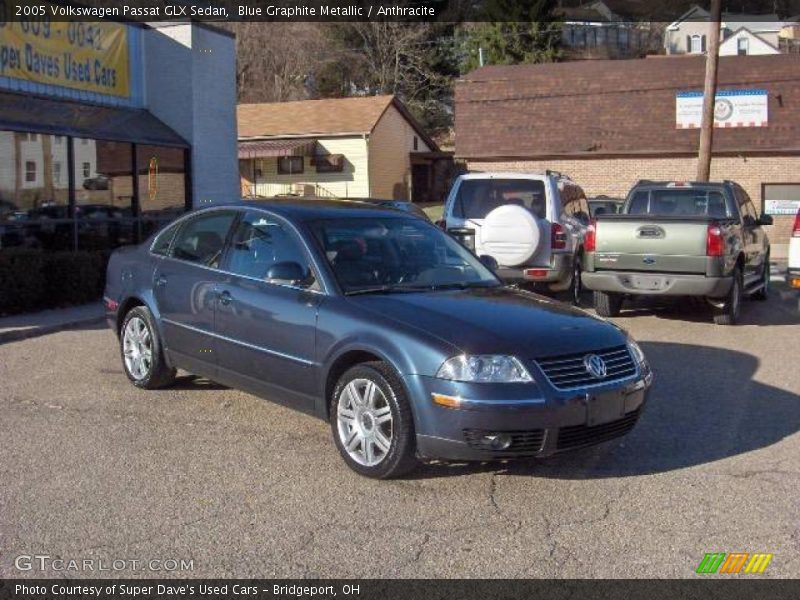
x,y
161,281
225,298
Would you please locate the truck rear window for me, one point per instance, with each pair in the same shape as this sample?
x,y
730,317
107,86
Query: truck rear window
x,y
678,203
476,198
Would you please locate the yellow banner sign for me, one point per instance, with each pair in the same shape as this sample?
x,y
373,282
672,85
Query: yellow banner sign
x,y
84,56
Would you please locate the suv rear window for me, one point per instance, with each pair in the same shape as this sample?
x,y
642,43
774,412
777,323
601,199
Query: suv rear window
x,y
478,197
680,203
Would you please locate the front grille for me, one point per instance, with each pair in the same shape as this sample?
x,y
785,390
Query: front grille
x,y
522,442
568,371
583,435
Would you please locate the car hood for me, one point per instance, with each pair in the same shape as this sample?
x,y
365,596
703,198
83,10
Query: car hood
x,y
498,320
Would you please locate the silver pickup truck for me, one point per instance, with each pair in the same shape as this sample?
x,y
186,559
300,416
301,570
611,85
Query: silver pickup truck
x,y
679,239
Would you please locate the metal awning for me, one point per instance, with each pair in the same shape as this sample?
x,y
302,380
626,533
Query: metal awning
x,y
273,148
36,114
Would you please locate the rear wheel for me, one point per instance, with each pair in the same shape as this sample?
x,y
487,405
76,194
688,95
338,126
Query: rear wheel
x,y
372,423
142,351
728,313
763,292
576,288
607,304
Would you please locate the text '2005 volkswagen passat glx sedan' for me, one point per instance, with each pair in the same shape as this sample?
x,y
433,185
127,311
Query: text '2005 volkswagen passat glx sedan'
x,y
377,322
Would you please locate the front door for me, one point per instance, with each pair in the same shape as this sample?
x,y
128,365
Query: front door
x,y
185,288
420,183
267,317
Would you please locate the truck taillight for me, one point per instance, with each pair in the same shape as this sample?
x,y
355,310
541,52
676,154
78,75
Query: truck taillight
x,y
558,237
714,242
796,230
590,239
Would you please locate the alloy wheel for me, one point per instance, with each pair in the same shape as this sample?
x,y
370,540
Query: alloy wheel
x,y
364,422
137,348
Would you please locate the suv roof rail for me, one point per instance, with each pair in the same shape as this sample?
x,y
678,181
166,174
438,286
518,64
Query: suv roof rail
x,y
558,174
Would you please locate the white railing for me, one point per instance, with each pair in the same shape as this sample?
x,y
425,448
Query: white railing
x,y
270,190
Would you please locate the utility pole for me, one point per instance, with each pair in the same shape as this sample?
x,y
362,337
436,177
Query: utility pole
x,y
709,93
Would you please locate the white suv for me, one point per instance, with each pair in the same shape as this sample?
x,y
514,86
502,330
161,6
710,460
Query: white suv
x,y
793,275
532,224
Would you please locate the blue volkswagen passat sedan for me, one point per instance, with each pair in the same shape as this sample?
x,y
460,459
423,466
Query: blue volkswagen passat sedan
x,y
377,322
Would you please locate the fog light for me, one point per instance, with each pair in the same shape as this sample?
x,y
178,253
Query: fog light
x,y
498,441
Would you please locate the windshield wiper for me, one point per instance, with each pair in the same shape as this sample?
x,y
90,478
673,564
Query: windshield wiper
x,y
461,286
382,289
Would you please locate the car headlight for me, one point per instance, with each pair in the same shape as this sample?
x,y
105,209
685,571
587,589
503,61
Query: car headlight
x,y
484,368
636,351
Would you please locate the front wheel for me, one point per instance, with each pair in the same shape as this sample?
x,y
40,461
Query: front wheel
x,y
728,313
142,351
372,423
607,304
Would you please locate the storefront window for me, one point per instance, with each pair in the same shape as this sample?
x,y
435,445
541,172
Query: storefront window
x,y
103,194
33,195
162,185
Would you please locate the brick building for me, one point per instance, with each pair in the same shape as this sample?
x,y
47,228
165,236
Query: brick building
x,y
608,124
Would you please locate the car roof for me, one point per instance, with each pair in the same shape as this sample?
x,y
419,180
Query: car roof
x,y
503,175
305,208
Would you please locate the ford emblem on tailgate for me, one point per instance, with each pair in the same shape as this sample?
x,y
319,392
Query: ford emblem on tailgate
x,y
595,366
649,260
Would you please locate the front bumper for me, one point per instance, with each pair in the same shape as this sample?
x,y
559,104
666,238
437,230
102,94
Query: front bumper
x,y
657,284
537,426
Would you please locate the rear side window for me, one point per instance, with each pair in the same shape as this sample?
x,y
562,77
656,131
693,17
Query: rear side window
x,y
680,203
202,239
476,198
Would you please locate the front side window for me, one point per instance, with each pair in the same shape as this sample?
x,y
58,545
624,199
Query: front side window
x,y
289,165
478,197
264,248
202,239
397,254
164,239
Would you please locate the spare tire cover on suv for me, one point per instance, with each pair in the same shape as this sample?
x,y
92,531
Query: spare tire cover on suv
x,y
511,234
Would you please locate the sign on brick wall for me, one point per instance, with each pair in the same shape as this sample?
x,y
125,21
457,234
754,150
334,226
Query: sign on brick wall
x,y
733,108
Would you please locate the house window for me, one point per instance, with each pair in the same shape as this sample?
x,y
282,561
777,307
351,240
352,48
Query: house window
x,y
30,171
87,169
742,46
289,165
416,143
697,44
329,163
57,173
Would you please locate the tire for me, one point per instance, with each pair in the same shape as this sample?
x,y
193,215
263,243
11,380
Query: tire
x,y
576,287
142,352
607,304
763,294
729,313
380,433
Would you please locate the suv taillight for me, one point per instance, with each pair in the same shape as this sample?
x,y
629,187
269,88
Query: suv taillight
x,y
590,239
558,237
796,230
714,243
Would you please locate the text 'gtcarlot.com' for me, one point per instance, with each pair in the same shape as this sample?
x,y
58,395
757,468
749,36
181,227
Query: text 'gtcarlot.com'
x,y
45,562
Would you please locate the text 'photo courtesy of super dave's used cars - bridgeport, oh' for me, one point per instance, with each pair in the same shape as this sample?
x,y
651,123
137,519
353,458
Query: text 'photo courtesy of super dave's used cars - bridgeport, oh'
x,y
378,322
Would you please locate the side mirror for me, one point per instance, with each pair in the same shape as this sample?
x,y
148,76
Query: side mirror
x,y
286,272
489,262
441,224
766,220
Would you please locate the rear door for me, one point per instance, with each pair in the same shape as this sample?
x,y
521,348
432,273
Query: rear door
x,y
266,328
185,284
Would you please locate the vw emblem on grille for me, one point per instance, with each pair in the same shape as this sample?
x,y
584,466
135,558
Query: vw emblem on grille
x,y
595,366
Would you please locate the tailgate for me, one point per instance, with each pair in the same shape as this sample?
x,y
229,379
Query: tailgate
x,y
656,245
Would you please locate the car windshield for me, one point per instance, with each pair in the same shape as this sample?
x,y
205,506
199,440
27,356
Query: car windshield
x,y
680,203
397,254
478,197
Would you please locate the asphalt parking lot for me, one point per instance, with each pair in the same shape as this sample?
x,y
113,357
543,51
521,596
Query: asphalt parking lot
x,y
94,468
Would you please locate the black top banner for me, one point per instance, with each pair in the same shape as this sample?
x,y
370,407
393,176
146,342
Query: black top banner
x,y
452,11
372,589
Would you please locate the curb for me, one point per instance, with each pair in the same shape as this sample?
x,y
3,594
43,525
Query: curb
x,y
24,334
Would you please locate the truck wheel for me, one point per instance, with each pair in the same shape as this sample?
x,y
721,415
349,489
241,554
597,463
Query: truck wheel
x,y
607,304
763,293
729,313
